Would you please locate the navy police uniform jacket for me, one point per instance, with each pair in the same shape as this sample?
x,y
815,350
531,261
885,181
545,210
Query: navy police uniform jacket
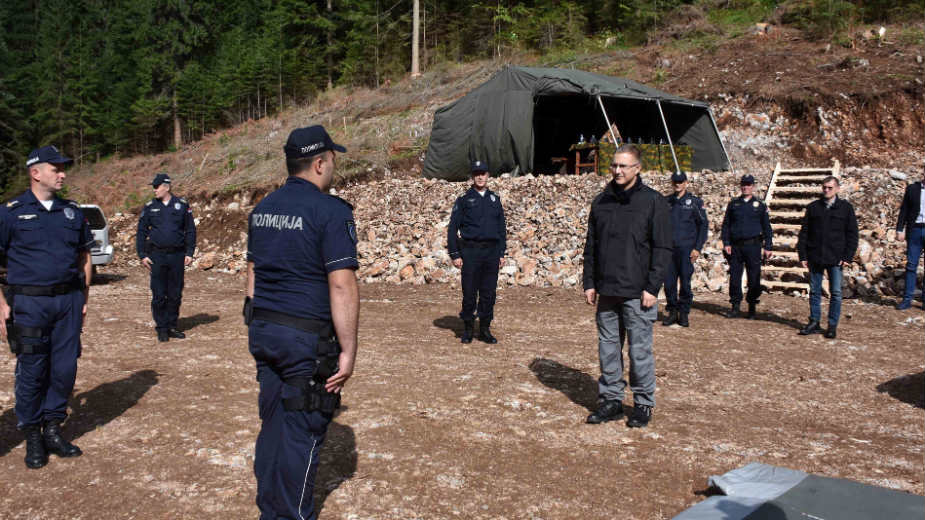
x,y
477,218
166,226
688,221
296,236
42,245
746,219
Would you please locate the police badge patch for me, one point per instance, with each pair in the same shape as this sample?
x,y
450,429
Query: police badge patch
x,y
688,202
755,204
176,205
492,198
69,213
352,231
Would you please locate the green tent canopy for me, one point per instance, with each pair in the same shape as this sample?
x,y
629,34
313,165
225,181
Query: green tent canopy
x,y
523,117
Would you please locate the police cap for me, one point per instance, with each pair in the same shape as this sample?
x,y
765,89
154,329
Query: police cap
x,y
678,176
478,165
309,141
160,178
48,154
747,179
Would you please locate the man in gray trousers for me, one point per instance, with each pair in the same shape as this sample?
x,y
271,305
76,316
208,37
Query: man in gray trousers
x,y
627,252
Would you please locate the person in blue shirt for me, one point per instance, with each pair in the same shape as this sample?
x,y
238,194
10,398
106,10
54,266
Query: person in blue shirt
x,y
165,242
746,239
302,310
47,244
477,241
689,232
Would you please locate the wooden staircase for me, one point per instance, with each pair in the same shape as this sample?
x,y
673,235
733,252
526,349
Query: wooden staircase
x,y
789,192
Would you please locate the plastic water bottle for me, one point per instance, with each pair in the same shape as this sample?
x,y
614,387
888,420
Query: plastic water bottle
x,y
581,138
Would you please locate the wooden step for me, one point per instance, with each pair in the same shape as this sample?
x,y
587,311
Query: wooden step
x,y
786,241
785,285
801,178
791,202
777,269
786,227
801,170
797,189
786,214
786,254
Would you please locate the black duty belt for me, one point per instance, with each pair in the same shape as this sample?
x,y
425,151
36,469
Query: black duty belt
x,y
319,327
479,244
747,241
159,249
46,290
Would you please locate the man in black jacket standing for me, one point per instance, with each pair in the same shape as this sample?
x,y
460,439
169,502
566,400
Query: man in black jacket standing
x,y
911,226
627,252
828,240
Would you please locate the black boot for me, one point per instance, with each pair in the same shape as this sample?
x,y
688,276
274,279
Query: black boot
x,y
751,311
174,333
485,332
36,456
56,444
682,319
606,411
734,312
162,335
671,318
811,328
468,328
640,417
831,333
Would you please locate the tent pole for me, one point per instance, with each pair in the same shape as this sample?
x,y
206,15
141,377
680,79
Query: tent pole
x,y
607,119
721,143
677,168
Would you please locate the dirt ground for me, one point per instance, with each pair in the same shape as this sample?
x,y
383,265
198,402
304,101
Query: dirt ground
x,y
434,429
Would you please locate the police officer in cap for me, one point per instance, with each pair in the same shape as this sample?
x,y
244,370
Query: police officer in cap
x,y
746,239
302,309
47,243
165,241
477,241
689,232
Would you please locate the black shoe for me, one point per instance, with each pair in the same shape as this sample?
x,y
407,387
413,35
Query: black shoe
x,y
56,444
468,327
671,318
751,312
811,328
903,305
734,312
485,332
36,456
174,333
641,416
682,320
162,335
606,411
830,334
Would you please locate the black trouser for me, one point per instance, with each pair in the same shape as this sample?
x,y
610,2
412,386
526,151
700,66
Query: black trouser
x,y
166,288
749,257
681,268
479,281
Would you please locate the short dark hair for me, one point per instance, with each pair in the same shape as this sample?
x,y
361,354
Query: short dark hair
x,y
630,149
299,165
831,178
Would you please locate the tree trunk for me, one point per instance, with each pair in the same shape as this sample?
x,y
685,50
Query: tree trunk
x,y
177,132
328,51
415,39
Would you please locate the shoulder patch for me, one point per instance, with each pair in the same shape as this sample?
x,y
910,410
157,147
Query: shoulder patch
x,y
150,202
349,205
183,200
13,203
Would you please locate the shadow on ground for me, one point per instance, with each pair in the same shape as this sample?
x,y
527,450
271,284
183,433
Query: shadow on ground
x,y
720,310
454,323
579,387
89,410
189,322
908,389
338,462
107,278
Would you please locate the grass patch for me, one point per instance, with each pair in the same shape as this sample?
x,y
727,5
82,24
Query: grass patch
x,y
911,35
738,21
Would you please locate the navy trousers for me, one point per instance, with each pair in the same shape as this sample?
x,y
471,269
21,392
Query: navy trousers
x,y
166,288
749,257
44,381
681,268
479,282
286,455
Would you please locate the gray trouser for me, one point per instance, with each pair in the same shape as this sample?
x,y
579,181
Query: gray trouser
x,y
618,318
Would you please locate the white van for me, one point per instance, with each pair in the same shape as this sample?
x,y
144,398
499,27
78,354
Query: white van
x,y
101,252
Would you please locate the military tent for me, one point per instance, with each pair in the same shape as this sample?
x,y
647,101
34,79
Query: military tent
x,y
524,116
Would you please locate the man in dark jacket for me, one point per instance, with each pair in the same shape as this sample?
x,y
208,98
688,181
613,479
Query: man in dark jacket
x,y
627,252
828,240
911,226
689,231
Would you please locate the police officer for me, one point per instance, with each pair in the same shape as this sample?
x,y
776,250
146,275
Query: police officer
x,y
689,233
47,244
166,241
478,251
746,239
302,308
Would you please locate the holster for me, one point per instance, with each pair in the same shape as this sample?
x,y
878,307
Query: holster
x,y
248,310
314,397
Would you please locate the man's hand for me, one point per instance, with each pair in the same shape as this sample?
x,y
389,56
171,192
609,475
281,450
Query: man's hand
x,y
766,254
147,263
500,263
901,236
843,263
4,315
335,383
695,255
187,260
457,262
648,300
805,264
728,250
590,296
